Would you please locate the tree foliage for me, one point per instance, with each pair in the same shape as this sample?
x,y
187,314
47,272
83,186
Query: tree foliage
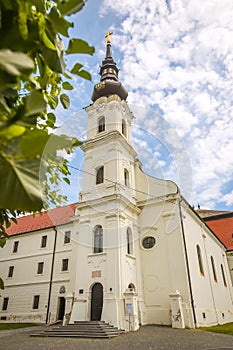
x,y
33,80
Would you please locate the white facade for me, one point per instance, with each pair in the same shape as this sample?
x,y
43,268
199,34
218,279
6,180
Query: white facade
x,y
150,208
138,253
27,281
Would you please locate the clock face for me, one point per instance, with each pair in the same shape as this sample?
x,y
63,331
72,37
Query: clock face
x,y
100,86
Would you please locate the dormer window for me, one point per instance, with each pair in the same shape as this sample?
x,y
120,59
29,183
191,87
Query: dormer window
x,y
100,175
124,127
101,124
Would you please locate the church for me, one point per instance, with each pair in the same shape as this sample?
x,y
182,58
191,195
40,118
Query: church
x,y
131,252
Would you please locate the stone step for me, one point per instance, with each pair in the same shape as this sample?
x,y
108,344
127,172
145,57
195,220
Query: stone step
x,y
81,329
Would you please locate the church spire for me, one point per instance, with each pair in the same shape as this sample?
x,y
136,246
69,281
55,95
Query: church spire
x,y
109,84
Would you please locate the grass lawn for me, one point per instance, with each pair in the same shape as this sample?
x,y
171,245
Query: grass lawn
x,y
224,328
4,326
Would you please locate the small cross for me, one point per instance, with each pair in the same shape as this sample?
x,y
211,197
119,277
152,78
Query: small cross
x,y
107,36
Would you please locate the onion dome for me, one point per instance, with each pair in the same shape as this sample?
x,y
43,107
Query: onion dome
x,y
109,83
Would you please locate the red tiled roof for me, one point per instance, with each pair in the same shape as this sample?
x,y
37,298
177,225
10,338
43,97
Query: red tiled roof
x,y
45,219
223,228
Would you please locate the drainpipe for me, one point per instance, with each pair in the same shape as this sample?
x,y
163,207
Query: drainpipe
x,y
51,275
187,264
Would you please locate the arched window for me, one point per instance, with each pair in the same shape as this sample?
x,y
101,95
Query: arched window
x,y
100,175
223,276
101,124
200,261
126,177
123,127
129,241
213,269
98,239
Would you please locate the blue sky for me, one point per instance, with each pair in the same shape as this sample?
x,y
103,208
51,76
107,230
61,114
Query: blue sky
x,y
176,61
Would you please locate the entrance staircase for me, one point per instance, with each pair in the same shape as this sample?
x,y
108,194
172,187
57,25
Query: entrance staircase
x,y
81,329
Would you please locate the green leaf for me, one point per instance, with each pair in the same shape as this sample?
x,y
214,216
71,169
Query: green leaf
x,y
76,68
41,65
66,180
12,131
39,5
23,28
15,63
48,42
53,60
1,284
2,243
58,142
84,74
51,120
81,73
60,25
34,104
33,143
79,46
65,101
52,101
76,143
67,86
20,179
69,7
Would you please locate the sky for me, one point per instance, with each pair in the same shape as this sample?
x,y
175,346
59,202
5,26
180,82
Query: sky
x,y
176,62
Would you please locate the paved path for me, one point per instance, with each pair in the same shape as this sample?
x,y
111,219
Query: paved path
x,y
147,338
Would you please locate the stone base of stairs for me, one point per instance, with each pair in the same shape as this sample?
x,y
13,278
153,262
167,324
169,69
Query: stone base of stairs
x,y
81,329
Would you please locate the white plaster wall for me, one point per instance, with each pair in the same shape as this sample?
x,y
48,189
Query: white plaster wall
x,y
213,301
163,266
230,264
26,283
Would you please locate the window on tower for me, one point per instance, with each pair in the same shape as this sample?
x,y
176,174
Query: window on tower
x,y
124,127
126,177
100,175
129,241
101,124
98,239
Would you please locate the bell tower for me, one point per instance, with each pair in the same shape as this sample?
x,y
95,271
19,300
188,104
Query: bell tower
x,y
107,214
108,152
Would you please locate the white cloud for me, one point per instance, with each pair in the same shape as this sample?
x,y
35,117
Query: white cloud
x,y
177,57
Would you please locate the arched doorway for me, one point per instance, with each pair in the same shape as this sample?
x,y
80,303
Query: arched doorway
x,y
96,301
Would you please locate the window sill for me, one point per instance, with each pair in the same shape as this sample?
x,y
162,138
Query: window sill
x,y
96,254
101,184
130,256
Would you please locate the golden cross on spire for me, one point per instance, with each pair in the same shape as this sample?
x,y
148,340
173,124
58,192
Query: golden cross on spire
x,y
107,36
